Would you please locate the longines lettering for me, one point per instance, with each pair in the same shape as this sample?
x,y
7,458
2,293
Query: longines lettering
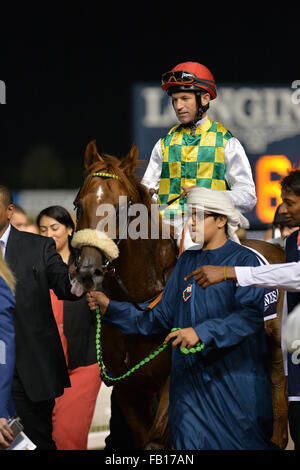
x,y
257,116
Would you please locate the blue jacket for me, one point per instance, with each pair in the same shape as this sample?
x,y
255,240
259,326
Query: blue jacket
x,y
220,398
7,349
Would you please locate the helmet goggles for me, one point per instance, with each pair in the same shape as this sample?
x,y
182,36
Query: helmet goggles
x,y
180,76
183,77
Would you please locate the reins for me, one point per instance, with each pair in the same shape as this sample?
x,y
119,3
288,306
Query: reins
x,y
108,268
108,379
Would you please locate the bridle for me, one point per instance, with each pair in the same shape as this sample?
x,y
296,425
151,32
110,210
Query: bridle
x,y
99,174
77,207
107,266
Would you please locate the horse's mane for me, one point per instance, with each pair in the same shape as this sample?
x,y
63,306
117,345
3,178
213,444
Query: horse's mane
x,y
136,189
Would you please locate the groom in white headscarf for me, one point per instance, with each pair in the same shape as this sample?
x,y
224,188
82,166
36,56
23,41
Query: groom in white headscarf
x,y
220,397
202,201
215,201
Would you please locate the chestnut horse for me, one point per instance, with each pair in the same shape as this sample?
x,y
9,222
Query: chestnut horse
x,y
142,268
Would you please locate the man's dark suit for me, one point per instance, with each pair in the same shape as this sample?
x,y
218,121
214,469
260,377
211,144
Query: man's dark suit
x,y
40,365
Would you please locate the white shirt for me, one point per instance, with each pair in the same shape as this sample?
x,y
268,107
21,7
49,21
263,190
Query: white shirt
x,y
283,276
4,240
238,173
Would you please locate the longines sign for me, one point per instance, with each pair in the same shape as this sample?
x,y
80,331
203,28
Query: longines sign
x,y
266,119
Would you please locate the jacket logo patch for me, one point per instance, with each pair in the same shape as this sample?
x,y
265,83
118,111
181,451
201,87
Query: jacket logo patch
x,y
187,293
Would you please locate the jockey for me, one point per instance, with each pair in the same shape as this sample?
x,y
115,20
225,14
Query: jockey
x,y
198,151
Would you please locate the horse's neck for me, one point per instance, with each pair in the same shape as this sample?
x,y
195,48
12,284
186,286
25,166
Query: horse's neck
x,y
143,266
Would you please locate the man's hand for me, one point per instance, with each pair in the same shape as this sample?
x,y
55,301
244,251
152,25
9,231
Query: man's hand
x,y
186,190
186,337
97,299
6,434
208,275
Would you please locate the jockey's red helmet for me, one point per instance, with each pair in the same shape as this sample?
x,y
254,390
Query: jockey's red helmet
x,y
189,76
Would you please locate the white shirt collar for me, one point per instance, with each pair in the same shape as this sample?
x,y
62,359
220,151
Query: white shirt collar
x,y
201,121
4,240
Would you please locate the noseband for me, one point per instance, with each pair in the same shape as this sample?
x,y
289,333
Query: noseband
x,y
77,209
106,267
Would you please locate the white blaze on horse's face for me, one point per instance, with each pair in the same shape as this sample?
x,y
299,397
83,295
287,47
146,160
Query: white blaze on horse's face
x,y
99,194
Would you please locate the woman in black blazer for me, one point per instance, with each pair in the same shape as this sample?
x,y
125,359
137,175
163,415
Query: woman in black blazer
x,y
73,411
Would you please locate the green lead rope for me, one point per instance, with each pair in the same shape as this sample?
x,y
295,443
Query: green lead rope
x,y
106,377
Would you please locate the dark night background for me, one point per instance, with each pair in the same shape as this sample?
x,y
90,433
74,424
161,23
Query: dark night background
x,y
69,69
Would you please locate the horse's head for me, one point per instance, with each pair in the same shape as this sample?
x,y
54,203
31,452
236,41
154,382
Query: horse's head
x,y
98,209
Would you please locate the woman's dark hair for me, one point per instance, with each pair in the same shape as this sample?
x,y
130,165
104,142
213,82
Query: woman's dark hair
x,y
291,182
60,214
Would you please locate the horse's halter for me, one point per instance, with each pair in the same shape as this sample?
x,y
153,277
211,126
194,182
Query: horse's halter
x,y
102,175
106,265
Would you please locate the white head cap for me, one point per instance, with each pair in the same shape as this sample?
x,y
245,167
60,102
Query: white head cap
x,y
219,202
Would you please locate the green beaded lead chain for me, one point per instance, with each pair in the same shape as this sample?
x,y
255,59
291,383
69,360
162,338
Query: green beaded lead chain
x,y
199,346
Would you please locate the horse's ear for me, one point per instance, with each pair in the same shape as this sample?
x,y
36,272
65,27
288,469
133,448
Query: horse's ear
x,y
91,154
130,161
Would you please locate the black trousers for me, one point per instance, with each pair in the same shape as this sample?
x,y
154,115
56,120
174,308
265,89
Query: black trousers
x,y
294,422
36,417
